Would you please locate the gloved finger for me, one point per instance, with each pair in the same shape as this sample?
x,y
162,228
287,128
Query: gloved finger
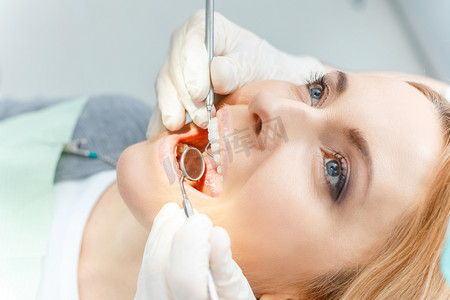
x,y
196,65
168,217
172,110
197,111
197,72
189,260
152,276
230,281
166,224
224,75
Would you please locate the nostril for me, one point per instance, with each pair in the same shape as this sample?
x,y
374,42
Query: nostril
x,y
257,123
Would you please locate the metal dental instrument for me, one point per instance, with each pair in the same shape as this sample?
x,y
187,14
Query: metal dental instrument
x,y
209,40
192,166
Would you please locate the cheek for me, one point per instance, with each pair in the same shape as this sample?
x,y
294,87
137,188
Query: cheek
x,y
130,180
279,221
268,222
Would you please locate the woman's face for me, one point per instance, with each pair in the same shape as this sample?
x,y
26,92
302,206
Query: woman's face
x,y
315,176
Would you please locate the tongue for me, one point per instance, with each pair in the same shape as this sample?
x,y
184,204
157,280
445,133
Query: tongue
x,y
212,183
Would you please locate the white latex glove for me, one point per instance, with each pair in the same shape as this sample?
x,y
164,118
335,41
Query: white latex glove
x,y
240,57
178,254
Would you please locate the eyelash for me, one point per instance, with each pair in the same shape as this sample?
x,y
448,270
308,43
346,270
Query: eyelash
x,y
335,190
317,80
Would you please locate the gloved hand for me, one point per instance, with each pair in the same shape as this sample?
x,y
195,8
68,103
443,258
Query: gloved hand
x,y
240,57
178,254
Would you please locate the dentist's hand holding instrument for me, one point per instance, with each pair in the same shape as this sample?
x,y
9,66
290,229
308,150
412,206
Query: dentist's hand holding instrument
x,y
178,255
240,57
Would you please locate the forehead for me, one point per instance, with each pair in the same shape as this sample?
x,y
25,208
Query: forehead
x,y
402,130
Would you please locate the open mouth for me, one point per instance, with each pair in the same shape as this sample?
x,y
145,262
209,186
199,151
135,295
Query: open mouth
x,y
211,182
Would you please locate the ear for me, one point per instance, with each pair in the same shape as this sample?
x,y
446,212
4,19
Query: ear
x,y
280,296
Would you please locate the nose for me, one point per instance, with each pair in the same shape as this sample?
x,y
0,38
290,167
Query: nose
x,y
281,119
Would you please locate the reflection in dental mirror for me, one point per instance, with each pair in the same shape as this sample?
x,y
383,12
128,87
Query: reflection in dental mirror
x,y
192,164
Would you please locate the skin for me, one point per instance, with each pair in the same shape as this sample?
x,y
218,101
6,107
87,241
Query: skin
x,y
288,227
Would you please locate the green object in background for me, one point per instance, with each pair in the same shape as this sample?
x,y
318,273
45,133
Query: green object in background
x,y
30,147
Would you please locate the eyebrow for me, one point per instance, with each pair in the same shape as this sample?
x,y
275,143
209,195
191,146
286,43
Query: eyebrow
x,y
341,85
357,140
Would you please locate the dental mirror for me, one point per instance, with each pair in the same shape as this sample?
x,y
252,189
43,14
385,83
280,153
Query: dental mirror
x,y
192,166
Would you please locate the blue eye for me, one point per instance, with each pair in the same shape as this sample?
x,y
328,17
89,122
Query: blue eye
x,y
333,168
335,174
317,88
316,94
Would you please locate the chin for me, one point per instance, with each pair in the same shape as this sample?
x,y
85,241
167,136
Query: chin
x,y
148,174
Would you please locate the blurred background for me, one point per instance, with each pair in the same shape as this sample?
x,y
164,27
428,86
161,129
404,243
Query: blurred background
x,y
65,48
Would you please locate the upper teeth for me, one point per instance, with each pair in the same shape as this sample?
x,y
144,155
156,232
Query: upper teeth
x,y
213,137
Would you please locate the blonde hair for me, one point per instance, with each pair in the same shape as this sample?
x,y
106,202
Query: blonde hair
x,y
407,265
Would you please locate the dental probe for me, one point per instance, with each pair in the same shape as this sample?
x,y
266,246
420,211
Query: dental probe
x,y
192,165
209,40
